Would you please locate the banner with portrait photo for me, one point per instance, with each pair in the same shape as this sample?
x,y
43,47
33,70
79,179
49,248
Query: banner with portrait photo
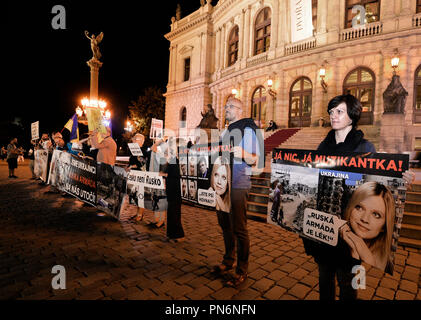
x,y
41,164
354,199
147,190
206,175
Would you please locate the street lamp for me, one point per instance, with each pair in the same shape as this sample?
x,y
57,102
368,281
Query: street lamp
x,y
101,104
271,92
395,62
322,74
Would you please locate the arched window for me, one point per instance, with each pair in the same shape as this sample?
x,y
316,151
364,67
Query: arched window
x,y
233,46
372,11
418,6
258,106
417,96
300,103
361,84
183,117
262,31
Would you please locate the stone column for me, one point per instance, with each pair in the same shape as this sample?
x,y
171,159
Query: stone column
x,y
405,21
94,64
247,33
217,45
275,26
170,67
224,47
321,22
242,37
221,49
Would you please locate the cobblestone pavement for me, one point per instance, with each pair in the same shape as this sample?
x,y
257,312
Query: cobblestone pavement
x,y
107,259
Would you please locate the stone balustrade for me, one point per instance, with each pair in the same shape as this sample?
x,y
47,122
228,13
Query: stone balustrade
x,y
300,46
368,30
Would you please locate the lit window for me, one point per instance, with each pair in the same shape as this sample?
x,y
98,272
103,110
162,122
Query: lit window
x,y
262,31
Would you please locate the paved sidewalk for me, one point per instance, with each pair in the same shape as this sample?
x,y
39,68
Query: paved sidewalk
x,y
107,259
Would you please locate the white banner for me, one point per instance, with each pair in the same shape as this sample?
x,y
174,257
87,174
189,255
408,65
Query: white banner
x,y
157,129
135,149
35,130
301,20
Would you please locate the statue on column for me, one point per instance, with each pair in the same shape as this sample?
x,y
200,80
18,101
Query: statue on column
x,y
209,120
95,41
178,12
394,98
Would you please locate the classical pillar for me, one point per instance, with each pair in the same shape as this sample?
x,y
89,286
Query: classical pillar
x,y
247,33
217,45
275,27
221,49
224,47
170,66
242,32
94,64
407,8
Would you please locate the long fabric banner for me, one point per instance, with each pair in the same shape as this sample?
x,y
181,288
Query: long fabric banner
x,y
98,184
147,190
206,175
351,199
41,164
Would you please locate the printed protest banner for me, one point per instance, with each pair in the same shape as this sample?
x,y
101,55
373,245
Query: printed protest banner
x,y
135,149
157,128
95,120
41,164
147,190
356,199
206,175
74,175
111,188
35,130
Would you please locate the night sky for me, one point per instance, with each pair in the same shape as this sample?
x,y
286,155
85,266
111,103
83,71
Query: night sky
x,y
47,74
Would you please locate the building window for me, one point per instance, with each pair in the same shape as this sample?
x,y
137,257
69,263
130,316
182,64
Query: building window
x,y
361,83
300,103
186,69
233,46
418,6
258,106
417,96
183,117
262,31
314,14
372,11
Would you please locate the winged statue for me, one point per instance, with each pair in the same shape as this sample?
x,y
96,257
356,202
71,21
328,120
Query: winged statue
x,y
95,41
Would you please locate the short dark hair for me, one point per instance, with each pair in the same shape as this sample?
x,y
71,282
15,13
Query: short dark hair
x,y
353,106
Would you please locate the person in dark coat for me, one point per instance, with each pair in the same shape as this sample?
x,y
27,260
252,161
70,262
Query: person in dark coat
x,y
345,112
175,230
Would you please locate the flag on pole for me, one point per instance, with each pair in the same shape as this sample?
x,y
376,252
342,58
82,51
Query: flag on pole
x,y
72,126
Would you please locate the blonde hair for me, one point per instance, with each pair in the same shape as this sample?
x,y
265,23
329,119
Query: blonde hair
x,y
380,245
219,162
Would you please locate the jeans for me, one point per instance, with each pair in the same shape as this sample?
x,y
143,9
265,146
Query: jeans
x,y
234,229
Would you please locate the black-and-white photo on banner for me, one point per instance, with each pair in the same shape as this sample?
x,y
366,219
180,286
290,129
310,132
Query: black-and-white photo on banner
x,y
206,172
147,190
353,198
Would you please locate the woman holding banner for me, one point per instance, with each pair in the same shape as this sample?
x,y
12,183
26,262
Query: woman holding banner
x,y
345,112
221,184
371,217
138,163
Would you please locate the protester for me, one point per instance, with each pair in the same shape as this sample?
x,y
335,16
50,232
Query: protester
x,y
175,232
107,148
12,157
139,163
3,153
31,156
371,216
221,184
345,112
246,151
158,163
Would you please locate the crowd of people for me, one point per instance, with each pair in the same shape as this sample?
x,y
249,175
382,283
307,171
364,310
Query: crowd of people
x,y
231,189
